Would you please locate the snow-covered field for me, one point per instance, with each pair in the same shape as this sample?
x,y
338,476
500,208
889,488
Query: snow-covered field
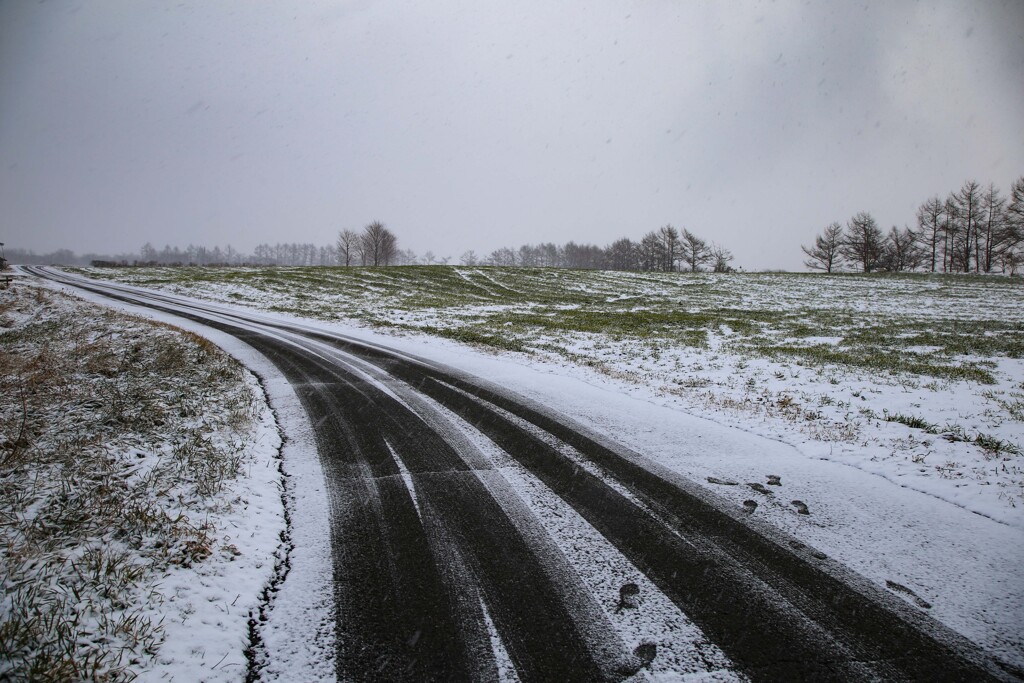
x,y
140,503
891,408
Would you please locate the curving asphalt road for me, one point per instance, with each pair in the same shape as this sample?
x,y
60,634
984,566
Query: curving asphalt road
x,y
430,557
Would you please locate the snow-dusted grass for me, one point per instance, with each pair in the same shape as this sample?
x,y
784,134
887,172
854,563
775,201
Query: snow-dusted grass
x,y
913,377
128,450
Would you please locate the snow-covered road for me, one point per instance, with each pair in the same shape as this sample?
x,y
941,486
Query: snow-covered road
x,y
476,533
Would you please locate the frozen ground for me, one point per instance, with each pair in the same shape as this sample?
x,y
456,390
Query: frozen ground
x,y
889,407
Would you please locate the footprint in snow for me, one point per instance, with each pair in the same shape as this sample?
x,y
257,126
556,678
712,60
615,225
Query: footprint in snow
x,y
721,482
801,507
774,480
760,488
645,652
900,588
629,596
642,657
749,506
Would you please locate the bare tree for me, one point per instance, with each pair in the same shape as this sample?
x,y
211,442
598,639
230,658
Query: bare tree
x,y
502,257
950,232
429,258
327,255
825,254
582,256
148,253
929,227
1015,207
380,246
993,232
651,252
405,257
622,255
669,237
468,258
694,251
900,250
573,255
720,259
1012,256
862,242
349,247
528,256
548,255
968,204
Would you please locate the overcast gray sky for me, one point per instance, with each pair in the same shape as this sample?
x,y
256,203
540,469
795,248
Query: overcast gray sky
x,y
475,125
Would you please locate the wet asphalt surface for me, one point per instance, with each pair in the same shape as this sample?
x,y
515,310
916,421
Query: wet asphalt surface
x,y
430,558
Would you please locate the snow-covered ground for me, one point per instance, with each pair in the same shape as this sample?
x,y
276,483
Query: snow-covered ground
x,y
931,508
916,379
142,511
967,566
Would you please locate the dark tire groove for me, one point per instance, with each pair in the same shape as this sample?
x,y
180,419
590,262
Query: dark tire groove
x,y
415,635
396,619
722,598
524,602
867,638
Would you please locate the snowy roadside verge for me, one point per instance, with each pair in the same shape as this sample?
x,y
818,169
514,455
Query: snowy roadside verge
x,y
139,479
292,633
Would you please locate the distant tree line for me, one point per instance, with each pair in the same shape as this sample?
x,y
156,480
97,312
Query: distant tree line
x,y
665,250
376,245
264,254
64,257
381,248
279,254
971,230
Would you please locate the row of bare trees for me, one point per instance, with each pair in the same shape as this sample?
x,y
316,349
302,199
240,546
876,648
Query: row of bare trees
x,y
374,246
665,249
279,254
292,254
971,230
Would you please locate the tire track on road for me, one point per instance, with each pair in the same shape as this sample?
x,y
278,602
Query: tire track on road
x,y
772,609
780,613
396,619
523,600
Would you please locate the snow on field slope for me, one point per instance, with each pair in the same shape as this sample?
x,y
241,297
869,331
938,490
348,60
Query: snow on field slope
x,y
876,418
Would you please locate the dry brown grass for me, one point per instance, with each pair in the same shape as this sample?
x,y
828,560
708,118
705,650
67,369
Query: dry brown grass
x,y
109,462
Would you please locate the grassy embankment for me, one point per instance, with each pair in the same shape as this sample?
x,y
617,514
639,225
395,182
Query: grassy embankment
x,y
118,440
